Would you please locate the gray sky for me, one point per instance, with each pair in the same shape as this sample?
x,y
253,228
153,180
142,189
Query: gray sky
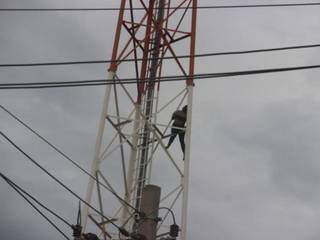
x,y
254,165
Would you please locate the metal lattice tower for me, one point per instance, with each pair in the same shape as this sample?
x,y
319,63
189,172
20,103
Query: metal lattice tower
x,y
136,119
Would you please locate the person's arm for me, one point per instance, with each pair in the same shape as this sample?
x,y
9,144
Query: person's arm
x,y
174,115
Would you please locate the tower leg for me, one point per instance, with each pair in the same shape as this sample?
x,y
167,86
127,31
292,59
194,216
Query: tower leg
x,y
96,159
132,162
185,179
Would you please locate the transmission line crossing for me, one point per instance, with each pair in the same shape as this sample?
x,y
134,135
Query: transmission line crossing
x,y
166,8
60,182
99,82
162,58
66,156
24,195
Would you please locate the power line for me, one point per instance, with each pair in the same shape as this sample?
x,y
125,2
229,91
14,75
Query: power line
x,y
164,58
141,8
35,200
56,63
260,5
171,212
21,192
86,83
66,157
58,181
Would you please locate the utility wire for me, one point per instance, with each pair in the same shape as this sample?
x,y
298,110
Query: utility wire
x,y
35,200
86,83
172,213
143,9
164,58
66,156
20,191
58,181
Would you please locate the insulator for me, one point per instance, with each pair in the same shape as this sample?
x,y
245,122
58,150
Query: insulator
x,y
90,236
76,231
174,230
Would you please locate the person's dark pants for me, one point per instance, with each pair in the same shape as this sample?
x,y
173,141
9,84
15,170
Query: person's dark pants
x,y
174,133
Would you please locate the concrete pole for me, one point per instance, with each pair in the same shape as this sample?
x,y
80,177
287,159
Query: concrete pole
x,y
150,201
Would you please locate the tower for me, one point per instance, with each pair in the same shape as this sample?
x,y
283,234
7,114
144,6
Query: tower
x,y
135,122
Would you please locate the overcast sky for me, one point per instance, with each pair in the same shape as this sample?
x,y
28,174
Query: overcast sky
x,y
255,172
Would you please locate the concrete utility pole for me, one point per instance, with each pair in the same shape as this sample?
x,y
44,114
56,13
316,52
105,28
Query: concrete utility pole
x,y
147,227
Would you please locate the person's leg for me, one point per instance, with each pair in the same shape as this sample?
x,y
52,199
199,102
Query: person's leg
x,y
181,138
173,136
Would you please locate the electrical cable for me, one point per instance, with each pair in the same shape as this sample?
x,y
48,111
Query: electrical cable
x,y
21,191
142,8
164,208
66,156
35,200
172,213
98,82
58,181
164,58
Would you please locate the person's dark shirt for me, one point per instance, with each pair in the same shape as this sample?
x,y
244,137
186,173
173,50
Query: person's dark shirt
x,y
179,118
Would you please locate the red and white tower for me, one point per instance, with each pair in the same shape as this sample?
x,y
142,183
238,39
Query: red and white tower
x,y
136,118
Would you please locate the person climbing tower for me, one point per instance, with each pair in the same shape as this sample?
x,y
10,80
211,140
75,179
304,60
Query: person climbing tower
x,y
179,118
